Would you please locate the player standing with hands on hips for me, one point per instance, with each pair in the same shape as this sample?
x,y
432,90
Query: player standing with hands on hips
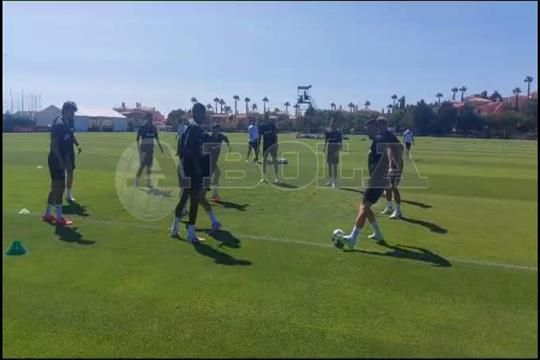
x,y
147,133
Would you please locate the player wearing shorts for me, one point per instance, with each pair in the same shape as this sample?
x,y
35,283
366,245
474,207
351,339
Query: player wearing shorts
x,y
70,164
214,141
395,169
378,167
408,139
270,145
253,141
332,146
146,133
193,175
58,157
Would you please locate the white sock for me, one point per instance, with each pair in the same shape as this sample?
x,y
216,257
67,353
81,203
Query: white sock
x,y
191,230
58,211
49,209
212,217
375,227
397,207
68,192
389,204
355,232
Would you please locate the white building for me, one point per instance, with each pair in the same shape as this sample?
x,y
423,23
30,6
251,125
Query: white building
x,y
85,118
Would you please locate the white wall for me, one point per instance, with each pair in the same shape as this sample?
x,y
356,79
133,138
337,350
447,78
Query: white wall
x,y
119,124
81,123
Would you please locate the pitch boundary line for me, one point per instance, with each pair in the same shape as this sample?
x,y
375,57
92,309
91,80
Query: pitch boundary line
x,y
299,242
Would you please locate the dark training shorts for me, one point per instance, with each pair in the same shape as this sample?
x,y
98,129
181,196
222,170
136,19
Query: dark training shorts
x,y
146,157
270,149
55,170
332,157
373,194
408,145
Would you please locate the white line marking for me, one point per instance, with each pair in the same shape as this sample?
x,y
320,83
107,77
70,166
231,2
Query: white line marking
x,y
84,221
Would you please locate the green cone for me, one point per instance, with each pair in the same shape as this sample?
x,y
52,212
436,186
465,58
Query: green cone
x,y
16,248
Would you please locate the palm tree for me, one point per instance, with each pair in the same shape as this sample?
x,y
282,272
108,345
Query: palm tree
x,y
528,80
496,96
333,106
462,89
193,100
351,107
209,107
394,97
287,104
454,91
439,96
221,103
367,104
236,99
516,92
265,100
247,100
227,109
216,101
390,107
254,107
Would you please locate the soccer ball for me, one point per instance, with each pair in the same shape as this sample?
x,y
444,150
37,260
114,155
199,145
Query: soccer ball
x,y
337,238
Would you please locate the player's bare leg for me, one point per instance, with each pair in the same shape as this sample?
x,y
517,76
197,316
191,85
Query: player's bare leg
x,y
208,208
275,163
397,198
69,185
334,175
389,206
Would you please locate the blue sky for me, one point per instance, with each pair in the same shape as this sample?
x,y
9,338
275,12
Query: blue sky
x,y
100,54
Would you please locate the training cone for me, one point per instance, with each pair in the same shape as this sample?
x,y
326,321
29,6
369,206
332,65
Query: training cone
x,y
16,248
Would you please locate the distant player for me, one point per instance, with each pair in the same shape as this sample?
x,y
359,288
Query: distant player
x,y
395,169
214,148
408,139
378,168
61,140
270,145
332,146
147,133
253,141
193,173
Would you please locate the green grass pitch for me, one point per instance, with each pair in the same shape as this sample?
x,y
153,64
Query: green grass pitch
x,y
457,278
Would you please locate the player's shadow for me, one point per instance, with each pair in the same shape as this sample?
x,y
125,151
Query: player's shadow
x,y
231,205
285,185
73,208
415,203
219,257
431,226
226,238
71,235
158,192
400,251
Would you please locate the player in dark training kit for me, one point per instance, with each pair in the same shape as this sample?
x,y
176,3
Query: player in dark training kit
x,y
381,153
61,140
269,136
194,174
147,133
214,148
332,146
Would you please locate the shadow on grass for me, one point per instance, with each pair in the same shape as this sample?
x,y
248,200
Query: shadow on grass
x,y
158,192
431,226
73,208
71,235
226,238
219,257
410,202
231,205
285,185
400,251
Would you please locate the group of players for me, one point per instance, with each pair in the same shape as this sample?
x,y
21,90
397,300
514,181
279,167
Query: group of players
x,y
198,169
